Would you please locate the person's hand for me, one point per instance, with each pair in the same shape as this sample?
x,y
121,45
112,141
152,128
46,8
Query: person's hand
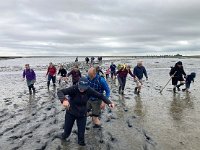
x,y
112,105
66,104
103,105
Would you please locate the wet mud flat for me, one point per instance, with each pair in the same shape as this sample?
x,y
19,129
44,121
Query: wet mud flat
x,y
141,122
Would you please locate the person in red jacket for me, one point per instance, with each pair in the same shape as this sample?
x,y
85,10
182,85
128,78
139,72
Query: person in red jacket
x,y
121,76
51,72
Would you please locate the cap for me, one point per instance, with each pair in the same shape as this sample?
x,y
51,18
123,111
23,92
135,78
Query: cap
x,y
193,74
179,63
83,83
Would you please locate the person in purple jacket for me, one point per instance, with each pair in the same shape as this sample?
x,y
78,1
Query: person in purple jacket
x,y
30,78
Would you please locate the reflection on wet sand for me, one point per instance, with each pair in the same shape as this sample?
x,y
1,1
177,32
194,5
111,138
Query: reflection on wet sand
x,y
178,105
138,110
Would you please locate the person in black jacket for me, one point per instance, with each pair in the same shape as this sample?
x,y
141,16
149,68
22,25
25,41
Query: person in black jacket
x,y
77,107
62,73
177,72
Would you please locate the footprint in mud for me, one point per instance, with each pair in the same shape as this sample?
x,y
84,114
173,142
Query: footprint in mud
x,y
113,139
9,103
7,99
129,123
15,106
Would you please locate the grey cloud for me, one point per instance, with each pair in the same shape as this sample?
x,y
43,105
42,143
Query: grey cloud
x,y
114,27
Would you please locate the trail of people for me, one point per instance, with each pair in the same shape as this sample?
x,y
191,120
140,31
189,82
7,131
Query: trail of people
x,y
146,121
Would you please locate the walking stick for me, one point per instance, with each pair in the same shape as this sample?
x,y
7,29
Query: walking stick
x,y
168,82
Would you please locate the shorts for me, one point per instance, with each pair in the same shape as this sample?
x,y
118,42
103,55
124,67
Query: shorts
x,y
94,105
138,82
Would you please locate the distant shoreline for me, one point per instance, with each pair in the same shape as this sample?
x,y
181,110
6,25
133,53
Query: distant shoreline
x,y
161,56
7,57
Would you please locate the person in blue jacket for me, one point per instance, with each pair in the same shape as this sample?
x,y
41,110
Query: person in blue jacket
x,y
138,71
99,84
112,70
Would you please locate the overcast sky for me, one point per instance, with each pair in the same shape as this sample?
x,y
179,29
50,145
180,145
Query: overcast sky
x,y
99,27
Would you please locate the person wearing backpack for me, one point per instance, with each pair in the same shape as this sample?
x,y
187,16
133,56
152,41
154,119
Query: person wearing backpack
x,y
30,78
112,69
95,105
123,71
177,72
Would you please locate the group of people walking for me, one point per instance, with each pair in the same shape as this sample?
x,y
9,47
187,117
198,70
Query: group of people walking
x,y
86,95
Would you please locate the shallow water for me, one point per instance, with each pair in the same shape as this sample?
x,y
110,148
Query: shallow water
x,y
150,121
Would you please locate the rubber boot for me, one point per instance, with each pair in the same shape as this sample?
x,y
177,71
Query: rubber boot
x,y
178,86
48,83
33,90
119,90
30,92
135,91
174,90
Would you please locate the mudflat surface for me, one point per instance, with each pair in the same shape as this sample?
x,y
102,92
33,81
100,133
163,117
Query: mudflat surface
x,y
147,121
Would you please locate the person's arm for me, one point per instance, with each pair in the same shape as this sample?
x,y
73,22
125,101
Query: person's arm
x,y
132,75
183,72
61,93
145,72
70,73
24,73
79,73
59,71
105,86
65,71
93,93
54,71
34,74
47,71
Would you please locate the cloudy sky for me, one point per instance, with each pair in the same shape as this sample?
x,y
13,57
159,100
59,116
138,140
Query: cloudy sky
x,y
99,27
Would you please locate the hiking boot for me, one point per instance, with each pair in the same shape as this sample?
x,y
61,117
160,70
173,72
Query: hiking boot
x,y
33,90
62,137
97,126
54,84
81,143
119,91
135,91
138,92
183,90
174,90
122,92
30,92
178,88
